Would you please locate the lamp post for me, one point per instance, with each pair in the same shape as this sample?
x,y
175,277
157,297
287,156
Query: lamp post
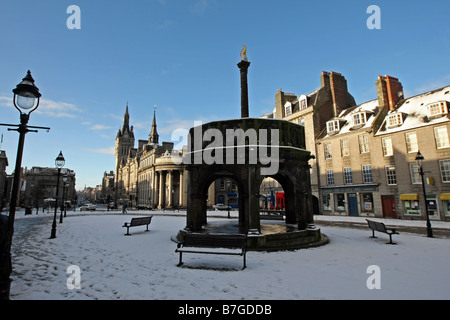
x,y
63,204
26,100
419,159
59,162
66,192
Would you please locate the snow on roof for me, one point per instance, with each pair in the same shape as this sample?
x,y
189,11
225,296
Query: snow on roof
x,y
370,109
415,111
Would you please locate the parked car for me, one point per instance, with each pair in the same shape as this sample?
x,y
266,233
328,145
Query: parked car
x,y
143,207
88,207
221,206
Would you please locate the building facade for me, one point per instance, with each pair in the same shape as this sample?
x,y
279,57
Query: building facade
x,y
39,187
365,154
312,111
151,175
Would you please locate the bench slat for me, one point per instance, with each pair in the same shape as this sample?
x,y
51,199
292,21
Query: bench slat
x,y
135,222
381,227
213,241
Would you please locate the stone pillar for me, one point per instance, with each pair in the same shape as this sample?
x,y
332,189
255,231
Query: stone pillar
x,y
253,207
243,66
161,190
152,188
180,202
170,176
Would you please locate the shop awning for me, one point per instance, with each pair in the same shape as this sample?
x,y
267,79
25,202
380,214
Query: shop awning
x,y
445,196
411,196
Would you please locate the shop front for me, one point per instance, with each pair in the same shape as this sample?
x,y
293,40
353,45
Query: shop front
x,y
356,200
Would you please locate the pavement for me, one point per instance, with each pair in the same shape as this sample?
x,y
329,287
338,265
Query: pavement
x,y
439,228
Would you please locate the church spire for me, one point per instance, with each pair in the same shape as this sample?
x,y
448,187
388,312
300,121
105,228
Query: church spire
x,y
126,121
153,137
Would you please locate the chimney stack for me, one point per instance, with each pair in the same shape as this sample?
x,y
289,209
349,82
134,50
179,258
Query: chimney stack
x,y
389,91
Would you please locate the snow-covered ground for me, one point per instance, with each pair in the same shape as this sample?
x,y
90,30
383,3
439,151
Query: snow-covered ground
x,y
144,265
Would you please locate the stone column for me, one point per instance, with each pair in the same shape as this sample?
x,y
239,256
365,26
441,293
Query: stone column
x,y
253,208
170,176
180,202
161,190
243,66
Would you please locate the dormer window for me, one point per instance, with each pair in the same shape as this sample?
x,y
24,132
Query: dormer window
x,y
287,109
437,109
394,120
333,126
302,102
359,118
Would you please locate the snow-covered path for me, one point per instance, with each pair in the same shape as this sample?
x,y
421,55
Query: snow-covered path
x,y
143,266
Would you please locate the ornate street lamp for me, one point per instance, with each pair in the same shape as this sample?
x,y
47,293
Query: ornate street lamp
x,y
26,100
65,193
59,162
63,204
420,159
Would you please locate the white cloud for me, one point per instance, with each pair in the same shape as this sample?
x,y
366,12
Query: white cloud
x,y
49,108
110,150
98,127
58,109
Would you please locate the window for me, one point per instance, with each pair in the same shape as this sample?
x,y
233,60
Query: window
x,y
303,102
411,142
391,177
441,136
363,143
367,173
333,126
411,206
326,201
437,109
345,148
394,120
327,149
287,109
387,147
348,179
414,172
340,202
359,118
444,165
367,202
330,177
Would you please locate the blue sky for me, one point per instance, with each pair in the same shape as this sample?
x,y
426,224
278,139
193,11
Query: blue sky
x,y
181,55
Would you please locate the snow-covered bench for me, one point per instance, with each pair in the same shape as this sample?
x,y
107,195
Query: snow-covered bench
x,y
213,243
380,227
135,222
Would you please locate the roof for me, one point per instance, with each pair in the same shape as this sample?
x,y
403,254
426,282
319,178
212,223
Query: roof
x,y
370,108
415,112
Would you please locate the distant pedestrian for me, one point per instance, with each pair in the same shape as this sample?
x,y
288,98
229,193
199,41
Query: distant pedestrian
x,y
124,208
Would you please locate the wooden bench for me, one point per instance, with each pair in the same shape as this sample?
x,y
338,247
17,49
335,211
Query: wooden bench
x,y
135,222
380,227
203,241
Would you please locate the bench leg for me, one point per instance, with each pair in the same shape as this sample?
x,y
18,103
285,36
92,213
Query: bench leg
x,y
390,239
373,234
147,228
180,262
245,262
128,232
